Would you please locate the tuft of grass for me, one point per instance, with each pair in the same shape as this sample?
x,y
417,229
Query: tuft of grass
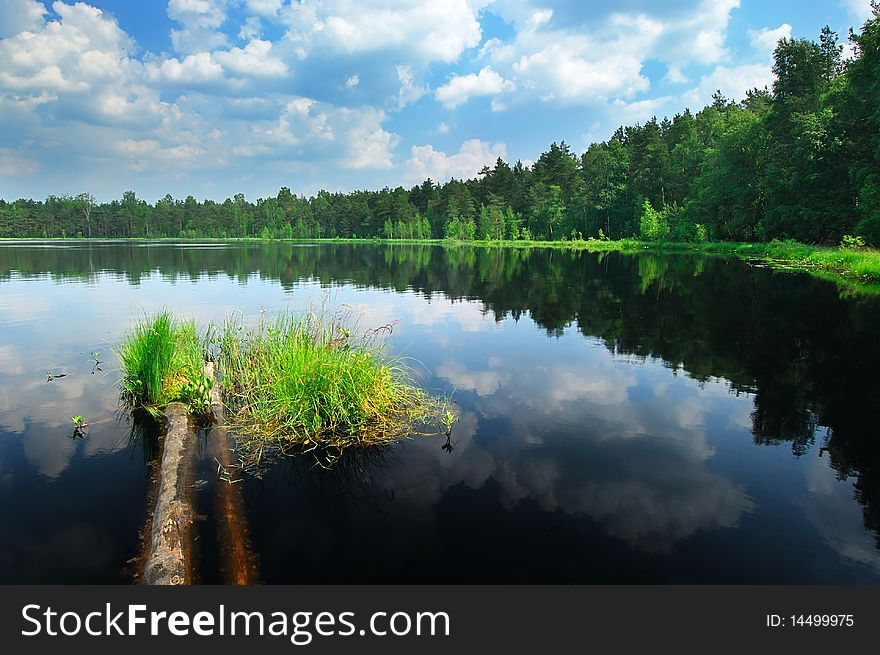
x,y
163,361
310,384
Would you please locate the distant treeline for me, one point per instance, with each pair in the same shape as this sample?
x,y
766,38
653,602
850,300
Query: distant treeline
x,y
800,161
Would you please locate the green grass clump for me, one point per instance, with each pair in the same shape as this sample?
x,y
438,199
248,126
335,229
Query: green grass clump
x,y
162,362
309,383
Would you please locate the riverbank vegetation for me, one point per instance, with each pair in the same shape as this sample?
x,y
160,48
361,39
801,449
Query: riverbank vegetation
x,y
798,161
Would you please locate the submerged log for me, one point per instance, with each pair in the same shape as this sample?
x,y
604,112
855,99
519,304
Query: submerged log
x,y
238,561
169,560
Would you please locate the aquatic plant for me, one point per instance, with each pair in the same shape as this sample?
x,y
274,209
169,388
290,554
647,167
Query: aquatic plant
x,y
79,427
162,361
310,384
447,419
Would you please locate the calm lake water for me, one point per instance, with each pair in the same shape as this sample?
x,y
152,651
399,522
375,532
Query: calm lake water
x,y
624,418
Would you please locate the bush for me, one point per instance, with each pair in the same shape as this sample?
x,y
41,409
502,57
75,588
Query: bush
x,y
849,242
652,224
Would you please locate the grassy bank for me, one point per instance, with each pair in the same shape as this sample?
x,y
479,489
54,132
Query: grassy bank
x,y
302,384
162,361
858,265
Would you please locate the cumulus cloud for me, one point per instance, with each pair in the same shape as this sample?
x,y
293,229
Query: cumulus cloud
x,y
860,10
80,67
433,31
426,162
200,21
255,59
350,138
559,65
70,54
765,40
640,111
20,16
674,75
369,145
265,7
463,87
410,90
734,81
192,69
598,56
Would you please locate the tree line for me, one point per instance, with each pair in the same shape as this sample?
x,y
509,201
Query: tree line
x,y
798,161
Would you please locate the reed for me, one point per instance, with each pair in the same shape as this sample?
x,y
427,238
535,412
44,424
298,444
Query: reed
x,y
162,360
312,384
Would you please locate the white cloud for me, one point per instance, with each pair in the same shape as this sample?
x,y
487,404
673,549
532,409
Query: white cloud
x,y
13,162
860,10
733,81
350,138
352,82
250,29
193,69
576,71
576,67
470,158
265,7
66,54
148,153
200,20
410,90
431,31
463,87
640,110
557,59
709,45
369,145
20,16
765,40
254,59
80,63
674,75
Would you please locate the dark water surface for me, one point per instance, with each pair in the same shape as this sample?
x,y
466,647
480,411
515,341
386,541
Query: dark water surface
x,y
624,418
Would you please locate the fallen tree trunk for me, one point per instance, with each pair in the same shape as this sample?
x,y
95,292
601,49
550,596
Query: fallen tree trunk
x,y
169,556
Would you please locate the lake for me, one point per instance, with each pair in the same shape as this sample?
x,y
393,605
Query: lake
x,y
624,418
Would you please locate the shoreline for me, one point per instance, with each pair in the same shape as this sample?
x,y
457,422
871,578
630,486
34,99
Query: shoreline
x,y
859,267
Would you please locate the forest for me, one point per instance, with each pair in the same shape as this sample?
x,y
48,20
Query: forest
x,y
799,161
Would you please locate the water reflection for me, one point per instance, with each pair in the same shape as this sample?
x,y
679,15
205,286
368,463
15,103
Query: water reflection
x,y
624,418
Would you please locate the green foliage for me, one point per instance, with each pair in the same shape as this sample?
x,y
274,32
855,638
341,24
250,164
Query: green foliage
x,y
652,224
79,427
849,242
162,362
304,383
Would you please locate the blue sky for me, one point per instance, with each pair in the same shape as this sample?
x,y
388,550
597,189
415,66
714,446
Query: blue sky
x,y
213,97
